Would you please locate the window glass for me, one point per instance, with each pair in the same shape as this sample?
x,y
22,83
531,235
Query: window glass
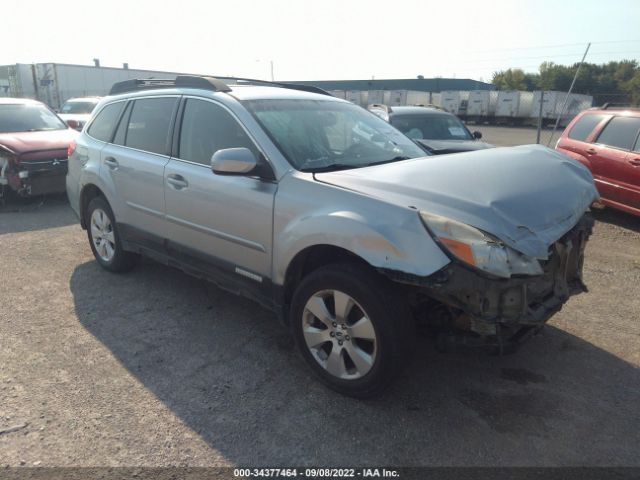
x,y
584,126
637,147
28,117
121,132
78,107
436,126
207,128
148,125
102,127
620,132
321,135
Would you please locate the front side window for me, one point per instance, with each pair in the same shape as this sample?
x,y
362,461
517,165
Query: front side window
x,y
317,135
28,117
584,126
620,132
102,126
78,107
436,126
148,126
207,128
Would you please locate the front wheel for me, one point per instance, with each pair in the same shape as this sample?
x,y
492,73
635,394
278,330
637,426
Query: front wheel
x,y
352,328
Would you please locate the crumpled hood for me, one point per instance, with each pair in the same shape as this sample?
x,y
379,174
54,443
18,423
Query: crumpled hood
x,y
527,196
453,146
22,142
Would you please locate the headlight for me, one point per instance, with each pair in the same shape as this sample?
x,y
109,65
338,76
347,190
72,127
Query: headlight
x,y
479,249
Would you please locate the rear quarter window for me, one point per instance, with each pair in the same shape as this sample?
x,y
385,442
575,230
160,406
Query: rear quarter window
x,y
102,126
584,126
620,132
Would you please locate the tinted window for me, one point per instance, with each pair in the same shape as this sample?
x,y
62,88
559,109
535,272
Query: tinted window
x,y
148,126
620,132
28,117
584,126
121,131
207,128
102,127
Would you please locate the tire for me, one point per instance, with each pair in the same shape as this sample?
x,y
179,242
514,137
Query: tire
x,y
104,239
359,366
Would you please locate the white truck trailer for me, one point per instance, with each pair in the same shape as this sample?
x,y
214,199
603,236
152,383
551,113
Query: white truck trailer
x,y
455,101
54,83
552,104
513,107
481,106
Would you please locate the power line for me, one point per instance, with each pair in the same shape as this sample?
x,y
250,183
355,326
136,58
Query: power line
x,y
540,47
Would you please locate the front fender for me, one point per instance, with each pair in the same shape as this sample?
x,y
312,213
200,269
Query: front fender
x,y
384,235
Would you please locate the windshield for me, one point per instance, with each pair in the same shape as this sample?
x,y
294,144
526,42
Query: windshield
x,y
28,118
324,135
436,126
78,107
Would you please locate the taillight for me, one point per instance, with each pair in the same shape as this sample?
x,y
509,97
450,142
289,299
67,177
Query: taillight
x,y
71,148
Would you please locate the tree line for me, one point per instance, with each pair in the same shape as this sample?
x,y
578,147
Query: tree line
x,y
607,82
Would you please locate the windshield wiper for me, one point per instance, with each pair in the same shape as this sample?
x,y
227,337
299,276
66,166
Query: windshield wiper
x,y
44,129
329,168
381,162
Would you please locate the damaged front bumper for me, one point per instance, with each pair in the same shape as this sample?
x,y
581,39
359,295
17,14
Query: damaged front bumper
x,y
502,310
35,177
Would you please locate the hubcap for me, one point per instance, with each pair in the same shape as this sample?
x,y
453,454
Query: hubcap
x,y
339,334
102,235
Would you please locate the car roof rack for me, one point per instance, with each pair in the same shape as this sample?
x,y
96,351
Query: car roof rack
x,y
215,84
267,83
618,106
185,81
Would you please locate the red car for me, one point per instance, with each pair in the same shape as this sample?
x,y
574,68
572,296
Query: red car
x,y
607,141
33,147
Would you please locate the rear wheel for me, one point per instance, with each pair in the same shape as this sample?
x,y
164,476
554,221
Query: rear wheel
x,y
104,239
352,328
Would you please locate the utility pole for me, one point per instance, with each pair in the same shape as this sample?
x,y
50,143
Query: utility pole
x,y
566,98
540,115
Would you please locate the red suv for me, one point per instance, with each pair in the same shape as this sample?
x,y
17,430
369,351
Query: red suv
x,y
606,141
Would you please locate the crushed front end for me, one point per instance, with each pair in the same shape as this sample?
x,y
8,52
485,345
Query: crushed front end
x,y
33,173
464,305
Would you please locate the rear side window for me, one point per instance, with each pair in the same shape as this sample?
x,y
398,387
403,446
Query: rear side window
x,y
102,127
149,122
584,126
207,128
620,132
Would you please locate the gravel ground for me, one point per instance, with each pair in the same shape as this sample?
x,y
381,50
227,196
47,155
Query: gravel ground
x,y
154,368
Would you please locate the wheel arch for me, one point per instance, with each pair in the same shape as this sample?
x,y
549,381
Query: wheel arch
x,y
88,193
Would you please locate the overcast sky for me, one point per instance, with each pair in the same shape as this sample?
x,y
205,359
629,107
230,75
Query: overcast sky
x,y
320,39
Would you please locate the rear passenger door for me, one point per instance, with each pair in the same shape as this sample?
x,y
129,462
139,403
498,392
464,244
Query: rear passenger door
x,y
134,164
217,221
618,165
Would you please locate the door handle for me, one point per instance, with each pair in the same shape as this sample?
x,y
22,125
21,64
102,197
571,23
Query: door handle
x,y
111,162
635,162
177,181
591,151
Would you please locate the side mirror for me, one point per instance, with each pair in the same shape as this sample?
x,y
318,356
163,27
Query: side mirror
x,y
233,161
73,124
477,135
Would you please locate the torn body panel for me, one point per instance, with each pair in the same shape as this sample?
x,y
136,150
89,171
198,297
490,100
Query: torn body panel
x,y
491,304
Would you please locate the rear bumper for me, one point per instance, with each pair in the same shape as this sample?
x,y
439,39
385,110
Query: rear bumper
x,y
492,304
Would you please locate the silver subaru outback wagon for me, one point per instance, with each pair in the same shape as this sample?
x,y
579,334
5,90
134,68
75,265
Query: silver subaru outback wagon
x,y
331,217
